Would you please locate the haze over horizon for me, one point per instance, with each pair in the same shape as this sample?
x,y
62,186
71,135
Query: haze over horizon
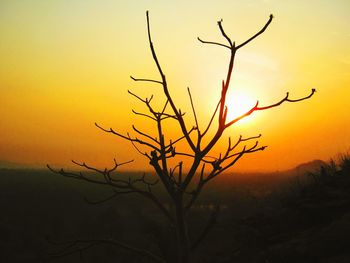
x,y
300,169
66,65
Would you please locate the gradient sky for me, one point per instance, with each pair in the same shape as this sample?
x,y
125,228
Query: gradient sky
x,y
65,64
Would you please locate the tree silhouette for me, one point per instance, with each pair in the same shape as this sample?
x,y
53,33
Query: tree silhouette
x,y
182,185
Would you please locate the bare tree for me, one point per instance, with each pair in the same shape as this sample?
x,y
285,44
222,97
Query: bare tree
x,y
182,185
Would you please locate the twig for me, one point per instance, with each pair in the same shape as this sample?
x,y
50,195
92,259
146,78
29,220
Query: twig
x,y
193,110
149,80
213,43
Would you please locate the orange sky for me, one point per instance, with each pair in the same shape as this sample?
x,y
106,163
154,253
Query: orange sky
x,y
66,64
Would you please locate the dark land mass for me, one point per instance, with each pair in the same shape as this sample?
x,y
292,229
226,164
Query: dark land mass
x,y
300,215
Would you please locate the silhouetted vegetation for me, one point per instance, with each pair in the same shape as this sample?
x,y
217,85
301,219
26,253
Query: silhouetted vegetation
x,y
180,172
263,218
309,222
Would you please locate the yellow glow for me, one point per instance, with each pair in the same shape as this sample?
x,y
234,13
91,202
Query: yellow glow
x,y
238,104
66,64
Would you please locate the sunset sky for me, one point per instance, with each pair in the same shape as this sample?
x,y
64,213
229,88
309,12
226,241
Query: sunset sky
x,y
65,64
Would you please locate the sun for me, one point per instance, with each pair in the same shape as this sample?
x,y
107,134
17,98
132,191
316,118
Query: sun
x,y
238,104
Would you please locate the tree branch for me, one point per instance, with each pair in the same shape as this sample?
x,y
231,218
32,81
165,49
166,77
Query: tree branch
x,y
193,110
128,138
144,134
165,88
224,34
213,43
256,108
125,185
148,80
211,119
286,99
143,114
257,34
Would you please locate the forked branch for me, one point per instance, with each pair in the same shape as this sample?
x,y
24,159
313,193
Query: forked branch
x,y
257,34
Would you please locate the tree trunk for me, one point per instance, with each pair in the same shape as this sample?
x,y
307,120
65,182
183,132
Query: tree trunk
x,y
183,243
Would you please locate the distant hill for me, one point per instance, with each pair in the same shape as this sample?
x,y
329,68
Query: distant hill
x,y
303,168
312,166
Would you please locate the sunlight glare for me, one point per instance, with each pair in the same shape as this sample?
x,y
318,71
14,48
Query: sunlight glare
x,y
238,104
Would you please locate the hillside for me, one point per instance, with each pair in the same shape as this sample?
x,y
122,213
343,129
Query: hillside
x,y
264,218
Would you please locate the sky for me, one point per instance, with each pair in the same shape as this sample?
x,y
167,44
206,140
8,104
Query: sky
x,y
67,64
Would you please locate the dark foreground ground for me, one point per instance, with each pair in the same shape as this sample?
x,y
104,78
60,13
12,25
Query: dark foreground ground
x,y
267,219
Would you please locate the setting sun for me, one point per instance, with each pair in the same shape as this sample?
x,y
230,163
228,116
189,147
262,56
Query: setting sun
x,y
239,104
